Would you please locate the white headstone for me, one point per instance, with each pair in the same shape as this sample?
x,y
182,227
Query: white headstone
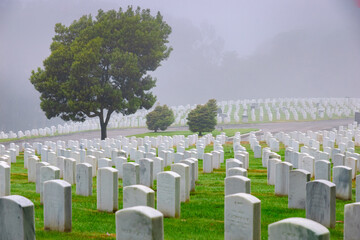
x,y
237,184
107,189
139,222
57,206
168,194
17,218
138,195
297,188
131,174
352,221
84,179
297,229
242,217
321,202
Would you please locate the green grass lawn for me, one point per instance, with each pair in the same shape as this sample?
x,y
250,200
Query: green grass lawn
x,y
201,218
229,132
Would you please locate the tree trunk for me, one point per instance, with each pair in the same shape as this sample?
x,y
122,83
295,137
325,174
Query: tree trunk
x,y
104,123
200,134
103,130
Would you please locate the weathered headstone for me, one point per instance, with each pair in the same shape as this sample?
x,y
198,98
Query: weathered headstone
x,y
282,178
236,171
84,179
139,222
342,180
321,202
131,174
119,161
237,184
69,172
158,166
242,217
47,173
57,206
338,160
168,194
138,195
352,221
146,172
107,189
298,229
323,170
17,218
297,188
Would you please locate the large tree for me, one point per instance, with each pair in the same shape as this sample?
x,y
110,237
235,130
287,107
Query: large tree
x,y
203,117
100,66
160,118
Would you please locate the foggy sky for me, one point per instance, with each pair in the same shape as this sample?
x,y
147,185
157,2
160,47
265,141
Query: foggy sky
x,y
222,49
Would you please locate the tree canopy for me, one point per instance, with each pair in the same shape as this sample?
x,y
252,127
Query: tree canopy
x,y
203,117
160,118
100,66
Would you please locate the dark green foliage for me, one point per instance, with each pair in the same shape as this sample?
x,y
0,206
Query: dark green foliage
x,y
100,66
161,118
203,117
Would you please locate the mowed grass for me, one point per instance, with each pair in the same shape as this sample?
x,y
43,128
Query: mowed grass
x,y
229,132
201,218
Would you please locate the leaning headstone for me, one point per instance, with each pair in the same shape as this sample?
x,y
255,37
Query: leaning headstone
x,y
184,171
168,194
131,174
342,180
17,218
69,172
107,189
297,188
146,172
322,170
84,179
282,178
297,229
321,202
237,184
4,179
57,206
352,221
139,222
138,195
242,217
